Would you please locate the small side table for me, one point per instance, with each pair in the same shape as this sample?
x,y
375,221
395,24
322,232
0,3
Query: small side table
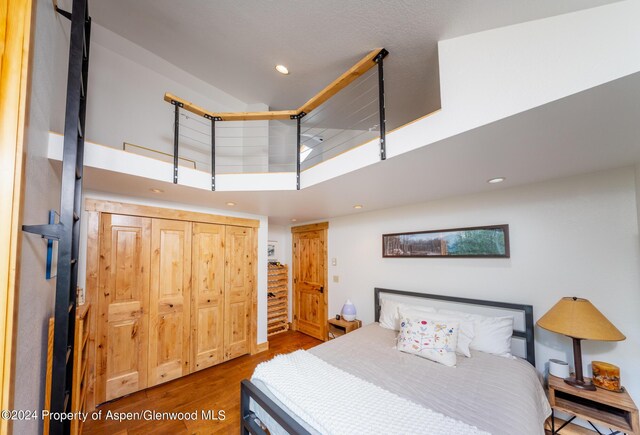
x,y
613,410
341,327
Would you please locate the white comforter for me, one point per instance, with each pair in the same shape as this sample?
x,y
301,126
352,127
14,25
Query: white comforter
x,y
333,401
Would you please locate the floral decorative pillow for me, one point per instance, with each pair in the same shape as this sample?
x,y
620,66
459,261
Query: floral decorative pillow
x,y
465,327
435,340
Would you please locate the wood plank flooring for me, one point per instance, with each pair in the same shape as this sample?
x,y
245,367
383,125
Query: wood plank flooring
x,y
216,388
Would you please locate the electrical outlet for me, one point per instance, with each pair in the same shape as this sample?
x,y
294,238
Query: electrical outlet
x,y
336,278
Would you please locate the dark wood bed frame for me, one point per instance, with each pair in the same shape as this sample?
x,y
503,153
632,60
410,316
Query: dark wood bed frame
x,y
250,424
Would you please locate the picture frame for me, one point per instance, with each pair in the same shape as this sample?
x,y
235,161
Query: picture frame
x,y
491,241
273,251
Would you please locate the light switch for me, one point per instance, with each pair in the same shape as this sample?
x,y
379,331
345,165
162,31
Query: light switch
x,y
336,278
334,261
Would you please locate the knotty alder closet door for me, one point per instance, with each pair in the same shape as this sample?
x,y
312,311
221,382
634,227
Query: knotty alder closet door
x,y
207,295
123,300
174,297
239,287
169,301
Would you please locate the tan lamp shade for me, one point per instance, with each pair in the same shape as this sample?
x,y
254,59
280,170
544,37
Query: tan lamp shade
x,y
578,318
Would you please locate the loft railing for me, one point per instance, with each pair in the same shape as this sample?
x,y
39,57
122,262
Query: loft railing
x,y
348,112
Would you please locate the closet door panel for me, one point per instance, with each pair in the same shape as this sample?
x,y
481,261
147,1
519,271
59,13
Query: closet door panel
x,y
169,306
238,290
207,296
122,327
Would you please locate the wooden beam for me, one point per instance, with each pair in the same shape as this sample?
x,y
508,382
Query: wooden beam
x,y
91,298
165,213
256,116
364,65
310,227
231,116
15,45
168,97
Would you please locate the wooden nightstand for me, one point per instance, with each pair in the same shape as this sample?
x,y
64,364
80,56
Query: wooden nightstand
x,y
341,327
614,410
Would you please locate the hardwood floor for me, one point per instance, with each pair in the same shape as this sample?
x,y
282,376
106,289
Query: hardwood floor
x,y
570,429
216,389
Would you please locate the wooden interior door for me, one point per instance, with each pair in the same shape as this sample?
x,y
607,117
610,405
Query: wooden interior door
x,y
169,300
238,296
123,301
207,296
310,279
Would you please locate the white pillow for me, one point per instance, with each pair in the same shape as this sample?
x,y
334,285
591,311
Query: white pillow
x,y
390,315
435,340
492,334
466,331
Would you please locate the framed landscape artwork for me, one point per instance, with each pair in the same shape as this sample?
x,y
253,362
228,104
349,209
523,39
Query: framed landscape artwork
x,y
473,242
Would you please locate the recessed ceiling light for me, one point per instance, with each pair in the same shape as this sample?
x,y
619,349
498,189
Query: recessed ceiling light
x,y
496,180
154,190
282,69
294,220
231,204
357,206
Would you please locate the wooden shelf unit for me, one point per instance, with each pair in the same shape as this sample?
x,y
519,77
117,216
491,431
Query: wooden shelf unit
x,y
607,408
278,299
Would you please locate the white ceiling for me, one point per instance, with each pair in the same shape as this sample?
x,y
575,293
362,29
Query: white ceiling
x,y
234,45
594,130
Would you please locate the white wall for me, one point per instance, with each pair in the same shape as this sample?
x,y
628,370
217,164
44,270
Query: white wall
x,y
638,191
41,193
263,232
125,98
575,236
490,75
282,235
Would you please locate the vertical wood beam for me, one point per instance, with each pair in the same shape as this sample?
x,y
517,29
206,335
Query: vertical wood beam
x,y
15,42
91,297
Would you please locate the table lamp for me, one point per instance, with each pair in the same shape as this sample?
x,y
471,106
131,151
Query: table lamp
x,y
579,320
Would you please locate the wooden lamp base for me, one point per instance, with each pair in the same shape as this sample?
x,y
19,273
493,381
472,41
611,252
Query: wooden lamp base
x,y
578,380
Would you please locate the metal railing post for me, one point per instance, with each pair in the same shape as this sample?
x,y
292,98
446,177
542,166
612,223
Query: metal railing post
x,y
298,154
176,133
213,120
383,146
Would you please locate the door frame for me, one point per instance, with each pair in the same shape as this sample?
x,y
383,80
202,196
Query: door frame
x,y
301,229
15,44
94,209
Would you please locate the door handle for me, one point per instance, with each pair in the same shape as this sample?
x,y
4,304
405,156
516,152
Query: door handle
x,y
321,289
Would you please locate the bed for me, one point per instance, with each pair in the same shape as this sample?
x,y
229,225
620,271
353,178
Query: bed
x,y
482,394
